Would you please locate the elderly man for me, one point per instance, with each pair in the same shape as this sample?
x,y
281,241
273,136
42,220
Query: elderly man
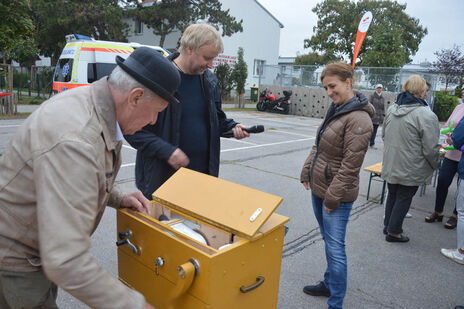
x,y
378,101
57,176
187,134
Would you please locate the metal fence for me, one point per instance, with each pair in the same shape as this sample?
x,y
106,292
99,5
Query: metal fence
x,y
33,81
365,77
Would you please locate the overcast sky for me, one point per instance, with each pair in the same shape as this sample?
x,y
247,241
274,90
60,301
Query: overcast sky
x,y
444,20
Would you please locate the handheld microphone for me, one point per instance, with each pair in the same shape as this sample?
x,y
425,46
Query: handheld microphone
x,y
253,129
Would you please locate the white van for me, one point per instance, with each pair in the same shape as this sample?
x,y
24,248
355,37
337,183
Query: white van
x,y
85,60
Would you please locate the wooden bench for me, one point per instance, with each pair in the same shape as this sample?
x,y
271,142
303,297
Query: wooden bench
x,y
375,172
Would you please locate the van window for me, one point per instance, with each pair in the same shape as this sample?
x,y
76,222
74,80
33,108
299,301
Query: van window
x,y
95,71
63,70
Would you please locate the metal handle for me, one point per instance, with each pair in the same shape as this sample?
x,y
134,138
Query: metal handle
x,y
125,240
246,289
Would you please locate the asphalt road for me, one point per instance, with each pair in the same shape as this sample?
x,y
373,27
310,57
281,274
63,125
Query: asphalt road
x,y
381,274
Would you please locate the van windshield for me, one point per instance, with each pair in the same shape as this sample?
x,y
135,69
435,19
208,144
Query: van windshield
x,y
95,71
63,70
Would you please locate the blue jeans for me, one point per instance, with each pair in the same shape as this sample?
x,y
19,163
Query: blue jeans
x,y
333,231
446,175
374,133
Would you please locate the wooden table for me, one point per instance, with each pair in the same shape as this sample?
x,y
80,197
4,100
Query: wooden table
x,y
376,172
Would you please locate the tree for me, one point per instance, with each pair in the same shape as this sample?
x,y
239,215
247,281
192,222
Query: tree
x,y
338,23
311,62
16,27
450,63
167,16
224,74
100,19
240,73
314,59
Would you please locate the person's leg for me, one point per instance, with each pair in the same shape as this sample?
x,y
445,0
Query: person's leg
x,y
374,133
335,231
27,290
460,211
457,255
318,208
391,199
400,209
446,175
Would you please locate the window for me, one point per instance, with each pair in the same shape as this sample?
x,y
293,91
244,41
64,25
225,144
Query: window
x,y
63,70
258,67
138,27
95,71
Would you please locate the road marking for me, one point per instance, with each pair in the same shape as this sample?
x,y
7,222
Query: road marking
x,y
291,133
10,126
128,147
236,140
271,144
290,123
127,165
240,148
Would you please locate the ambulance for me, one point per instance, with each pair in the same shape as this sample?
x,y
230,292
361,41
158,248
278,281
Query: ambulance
x,y
85,60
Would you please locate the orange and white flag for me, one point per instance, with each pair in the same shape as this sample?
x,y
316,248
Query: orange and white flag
x,y
362,30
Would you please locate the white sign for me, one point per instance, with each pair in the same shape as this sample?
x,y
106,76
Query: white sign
x,y
365,22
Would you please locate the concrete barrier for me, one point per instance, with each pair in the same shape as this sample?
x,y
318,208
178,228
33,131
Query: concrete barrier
x,y
313,102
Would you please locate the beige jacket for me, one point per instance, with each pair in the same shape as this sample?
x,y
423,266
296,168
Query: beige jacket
x,y
56,178
333,165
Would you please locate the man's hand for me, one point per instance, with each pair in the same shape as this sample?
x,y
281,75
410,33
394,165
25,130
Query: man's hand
x,y
178,159
306,185
135,201
449,140
239,131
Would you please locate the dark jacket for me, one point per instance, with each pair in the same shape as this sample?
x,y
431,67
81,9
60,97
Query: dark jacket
x,y
410,137
332,168
378,102
458,142
156,143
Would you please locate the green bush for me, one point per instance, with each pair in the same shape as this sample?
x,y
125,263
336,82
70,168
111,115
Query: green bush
x,y
20,79
444,105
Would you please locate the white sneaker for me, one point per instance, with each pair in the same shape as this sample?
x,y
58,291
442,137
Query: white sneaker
x,y
408,215
454,255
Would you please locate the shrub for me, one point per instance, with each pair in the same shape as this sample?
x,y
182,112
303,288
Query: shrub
x,y
444,105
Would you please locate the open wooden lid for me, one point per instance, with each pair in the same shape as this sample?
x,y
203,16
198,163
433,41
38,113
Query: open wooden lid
x,y
224,204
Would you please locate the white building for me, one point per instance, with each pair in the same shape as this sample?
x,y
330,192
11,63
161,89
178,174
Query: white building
x,y
260,38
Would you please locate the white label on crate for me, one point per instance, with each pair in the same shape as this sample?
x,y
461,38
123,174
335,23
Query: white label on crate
x,y
255,214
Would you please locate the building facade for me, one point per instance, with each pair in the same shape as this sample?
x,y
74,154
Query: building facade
x,y
260,38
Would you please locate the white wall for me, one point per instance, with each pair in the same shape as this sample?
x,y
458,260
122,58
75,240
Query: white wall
x,y
148,38
260,38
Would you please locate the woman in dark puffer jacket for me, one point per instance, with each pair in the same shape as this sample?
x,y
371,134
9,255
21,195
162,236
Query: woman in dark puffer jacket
x,y
331,171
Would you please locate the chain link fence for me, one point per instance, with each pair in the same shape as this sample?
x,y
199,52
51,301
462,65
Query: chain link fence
x,y
366,78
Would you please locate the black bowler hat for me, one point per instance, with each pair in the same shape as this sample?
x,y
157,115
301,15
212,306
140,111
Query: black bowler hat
x,y
150,68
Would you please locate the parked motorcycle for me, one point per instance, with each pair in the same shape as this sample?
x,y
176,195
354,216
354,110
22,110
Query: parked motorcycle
x,y
268,101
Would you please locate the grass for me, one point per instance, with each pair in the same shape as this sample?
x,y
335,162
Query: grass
x,y
231,101
30,100
15,116
236,109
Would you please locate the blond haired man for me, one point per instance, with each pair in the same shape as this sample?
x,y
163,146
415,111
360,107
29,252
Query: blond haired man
x,y
187,134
